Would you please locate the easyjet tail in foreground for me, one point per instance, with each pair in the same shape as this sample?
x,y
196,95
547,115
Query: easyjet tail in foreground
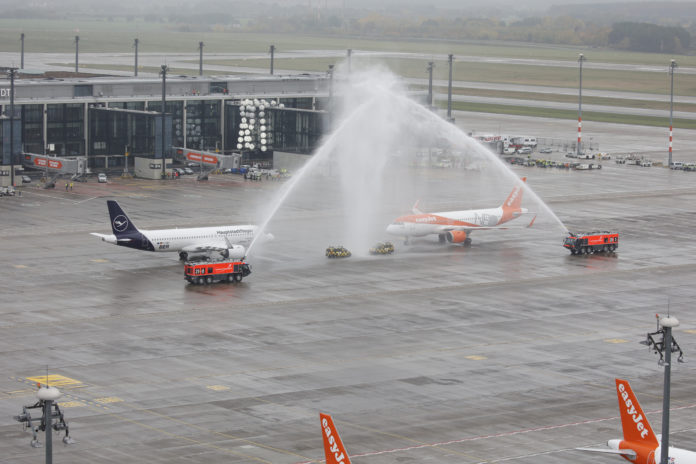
x,y
456,226
230,241
333,446
639,445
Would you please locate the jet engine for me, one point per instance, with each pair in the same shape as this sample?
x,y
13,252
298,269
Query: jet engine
x,y
235,252
456,236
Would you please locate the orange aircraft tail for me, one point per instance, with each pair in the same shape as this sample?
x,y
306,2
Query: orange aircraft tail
x,y
333,446
513,204
636,428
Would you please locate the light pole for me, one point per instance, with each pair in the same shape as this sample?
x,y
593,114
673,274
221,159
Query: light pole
x,y
77,51
581,59
135,45
12,73
272,52
164,111
200,59
672,66
21,38
349,52
449,89
431,65
665,347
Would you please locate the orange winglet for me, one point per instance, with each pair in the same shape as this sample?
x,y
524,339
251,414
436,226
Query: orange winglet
x,y
333,446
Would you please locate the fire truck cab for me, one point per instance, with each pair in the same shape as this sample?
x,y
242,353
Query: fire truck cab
x,y
592,242
216,271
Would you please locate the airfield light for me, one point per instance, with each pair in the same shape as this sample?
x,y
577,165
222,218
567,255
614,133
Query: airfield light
x,y
47,397
21,38
77,51
431,65
12,74
672,66
581,59
135,45
200,60
164,106
450,58
665,348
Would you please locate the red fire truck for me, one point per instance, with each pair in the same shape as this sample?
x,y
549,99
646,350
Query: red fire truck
x,y
592,242
216,271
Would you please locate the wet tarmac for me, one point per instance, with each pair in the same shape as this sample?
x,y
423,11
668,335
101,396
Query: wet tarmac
x,y
503,352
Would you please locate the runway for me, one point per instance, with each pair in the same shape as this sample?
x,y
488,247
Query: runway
x,y
503,352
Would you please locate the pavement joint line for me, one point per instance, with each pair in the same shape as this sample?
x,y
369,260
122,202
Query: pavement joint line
x,y
415,291
497,435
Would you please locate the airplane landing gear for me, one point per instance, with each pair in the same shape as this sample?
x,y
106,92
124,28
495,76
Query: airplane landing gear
x,y
442,238
467,243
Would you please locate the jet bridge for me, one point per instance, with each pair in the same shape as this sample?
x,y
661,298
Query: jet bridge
x,y
208,161
55,167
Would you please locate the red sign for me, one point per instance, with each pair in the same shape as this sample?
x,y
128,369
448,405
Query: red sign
x,y
201,158
45,162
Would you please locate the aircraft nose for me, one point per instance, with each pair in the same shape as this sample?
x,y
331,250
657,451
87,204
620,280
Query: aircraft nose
x,y
393,229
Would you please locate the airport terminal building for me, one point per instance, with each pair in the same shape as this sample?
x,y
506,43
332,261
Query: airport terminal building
x,y
102,118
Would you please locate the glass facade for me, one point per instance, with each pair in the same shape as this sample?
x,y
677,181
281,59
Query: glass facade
x,y
32,128
113,132
295,131
65,128
203,125
176,110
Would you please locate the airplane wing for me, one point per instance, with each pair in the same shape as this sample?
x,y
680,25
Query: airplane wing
x,y
623,452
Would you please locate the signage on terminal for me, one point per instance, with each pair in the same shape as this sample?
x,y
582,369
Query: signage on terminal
x,y
5,92
45,162
201,157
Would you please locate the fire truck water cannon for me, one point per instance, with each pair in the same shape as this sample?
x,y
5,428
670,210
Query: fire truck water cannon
x,y
592,242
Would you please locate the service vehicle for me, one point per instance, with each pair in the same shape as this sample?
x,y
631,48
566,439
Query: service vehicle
x,y
101,178
524,150
620,160
646,163
385,248
208,272
677,165
592,242
26,179
545,150
337,252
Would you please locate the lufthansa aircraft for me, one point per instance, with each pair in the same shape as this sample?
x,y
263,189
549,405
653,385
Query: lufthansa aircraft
x,y
230,241
455,226
640,445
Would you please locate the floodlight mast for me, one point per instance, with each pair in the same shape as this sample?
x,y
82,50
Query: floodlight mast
x,y
665,348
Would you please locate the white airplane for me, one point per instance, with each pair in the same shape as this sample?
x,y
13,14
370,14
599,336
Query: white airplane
x,y
640,445
230,241
456,226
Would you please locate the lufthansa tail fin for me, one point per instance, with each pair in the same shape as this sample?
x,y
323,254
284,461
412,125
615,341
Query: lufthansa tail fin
x,y
636,428
333,446
120,223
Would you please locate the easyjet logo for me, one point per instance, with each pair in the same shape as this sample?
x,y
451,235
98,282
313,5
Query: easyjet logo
x,y
631,410
333,446
513,196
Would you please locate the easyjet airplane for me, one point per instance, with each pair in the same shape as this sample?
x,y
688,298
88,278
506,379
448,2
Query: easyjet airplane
x,y
456,226
640,445
230,241
334,450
